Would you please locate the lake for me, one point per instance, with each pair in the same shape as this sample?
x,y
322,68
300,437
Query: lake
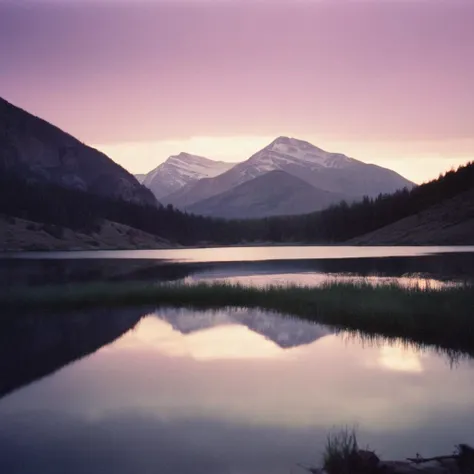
x,y
249,265
233,391
240,254
230,391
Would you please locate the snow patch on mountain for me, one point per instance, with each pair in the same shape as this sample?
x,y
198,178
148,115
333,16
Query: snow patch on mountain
x,y
285,151
180,170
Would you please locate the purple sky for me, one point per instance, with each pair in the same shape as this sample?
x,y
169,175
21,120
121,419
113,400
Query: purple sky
x,y
389,82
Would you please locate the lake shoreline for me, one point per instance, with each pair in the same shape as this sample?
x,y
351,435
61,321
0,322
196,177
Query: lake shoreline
x,y
364,461
342,455
23,236
31,249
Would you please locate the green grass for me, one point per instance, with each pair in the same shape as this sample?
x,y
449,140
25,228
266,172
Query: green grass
x,y
441,317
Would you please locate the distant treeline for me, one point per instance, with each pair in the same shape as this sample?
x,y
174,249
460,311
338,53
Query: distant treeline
x,y
84,212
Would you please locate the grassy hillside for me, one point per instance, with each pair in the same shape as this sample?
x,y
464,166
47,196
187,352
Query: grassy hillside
x,y
18,234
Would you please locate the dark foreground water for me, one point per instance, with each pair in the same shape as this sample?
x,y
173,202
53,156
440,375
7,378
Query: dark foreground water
x,y
227,392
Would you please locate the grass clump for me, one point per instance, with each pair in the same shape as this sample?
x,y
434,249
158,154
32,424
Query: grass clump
x,y
341,452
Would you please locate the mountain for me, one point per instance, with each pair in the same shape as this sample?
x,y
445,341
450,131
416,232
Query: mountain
x,y
438,212
140,177
179,170
84,213
332,172
273,193
37,151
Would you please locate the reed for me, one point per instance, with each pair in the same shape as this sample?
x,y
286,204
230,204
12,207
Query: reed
x,y
442,317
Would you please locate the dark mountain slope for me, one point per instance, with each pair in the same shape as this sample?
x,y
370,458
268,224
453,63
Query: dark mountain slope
x,y
343,222
37,151
85,212
449,223
273,193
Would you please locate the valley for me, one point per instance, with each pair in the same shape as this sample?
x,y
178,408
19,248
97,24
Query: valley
x,y
288,192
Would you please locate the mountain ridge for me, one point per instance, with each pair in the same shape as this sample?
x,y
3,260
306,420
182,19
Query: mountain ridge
x,y
180,170
332,172
38,151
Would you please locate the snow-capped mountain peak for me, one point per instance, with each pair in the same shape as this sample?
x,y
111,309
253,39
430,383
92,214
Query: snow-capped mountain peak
x,y
285,150
179,170
286,143
195,167
284,153
335,173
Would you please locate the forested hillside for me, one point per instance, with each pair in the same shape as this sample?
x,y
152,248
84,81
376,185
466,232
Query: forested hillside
x,y
84,212
343,221
81,211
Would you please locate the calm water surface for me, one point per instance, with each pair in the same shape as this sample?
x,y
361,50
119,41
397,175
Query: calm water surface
x,y
248,265
227,392
241,254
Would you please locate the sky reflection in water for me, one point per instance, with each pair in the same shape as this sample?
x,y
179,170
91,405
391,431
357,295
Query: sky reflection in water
x,y
246,254
319,279
232,391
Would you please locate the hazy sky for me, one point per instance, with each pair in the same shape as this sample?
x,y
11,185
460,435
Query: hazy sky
x,y
388,82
